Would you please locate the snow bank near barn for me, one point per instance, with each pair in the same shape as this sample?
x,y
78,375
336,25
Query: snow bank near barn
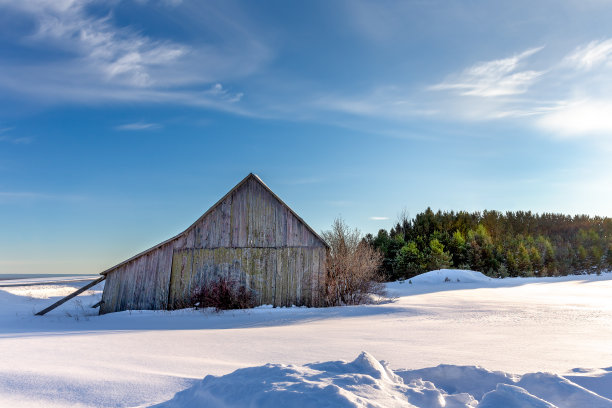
x,y
450,276
367,382
440,280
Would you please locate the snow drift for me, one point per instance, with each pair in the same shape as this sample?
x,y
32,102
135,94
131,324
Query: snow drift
x,y
364,382
450,276
367,382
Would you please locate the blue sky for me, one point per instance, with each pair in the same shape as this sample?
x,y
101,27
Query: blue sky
x,y
123,121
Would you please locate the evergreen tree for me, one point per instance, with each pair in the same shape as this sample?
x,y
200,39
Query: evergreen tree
x,y
536,260
523,261
458,250
511,264
516,243
437,257
410,261
582,258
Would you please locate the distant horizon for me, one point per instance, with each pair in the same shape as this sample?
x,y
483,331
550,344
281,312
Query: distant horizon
x,y
11,276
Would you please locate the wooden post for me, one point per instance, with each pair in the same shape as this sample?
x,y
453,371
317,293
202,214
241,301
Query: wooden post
x,y
67,298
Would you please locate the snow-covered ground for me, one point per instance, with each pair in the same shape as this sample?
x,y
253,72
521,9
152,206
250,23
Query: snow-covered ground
x,y
448,338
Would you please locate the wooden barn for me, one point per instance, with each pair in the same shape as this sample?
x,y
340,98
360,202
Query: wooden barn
x,y
250,236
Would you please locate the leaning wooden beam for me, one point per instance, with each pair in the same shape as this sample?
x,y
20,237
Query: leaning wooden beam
x,y
67,298
97,304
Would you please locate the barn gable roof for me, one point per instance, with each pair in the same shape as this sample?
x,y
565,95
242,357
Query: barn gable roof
x,y
251,176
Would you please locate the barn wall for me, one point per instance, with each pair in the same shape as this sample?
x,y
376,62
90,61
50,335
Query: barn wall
x,y
141,284
277,276
250,236
251,217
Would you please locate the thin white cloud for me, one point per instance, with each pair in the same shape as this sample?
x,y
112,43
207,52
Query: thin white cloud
x,y
16,140
592,55
138,126
12,139
383,101
117,55
100,61
379,218
493,87
217,90
579,118
493,78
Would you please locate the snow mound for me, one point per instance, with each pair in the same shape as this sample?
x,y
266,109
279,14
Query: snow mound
x,y
367,382
453,379
450,276
596,380
511,396
561,391
364,382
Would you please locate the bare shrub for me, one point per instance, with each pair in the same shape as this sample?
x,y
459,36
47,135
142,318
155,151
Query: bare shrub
x,y
223,294
352,267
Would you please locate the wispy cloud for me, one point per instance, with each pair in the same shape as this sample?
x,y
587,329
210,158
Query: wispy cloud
x,y
592,55
493,78
570,99
492,88
217,90
375,218
12,139
16,140
383,101
97,60
584,104
118,55
138,126
567,96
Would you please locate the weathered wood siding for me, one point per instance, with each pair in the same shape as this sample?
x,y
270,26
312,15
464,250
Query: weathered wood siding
x,y
249,236
250,217
277,276
141,284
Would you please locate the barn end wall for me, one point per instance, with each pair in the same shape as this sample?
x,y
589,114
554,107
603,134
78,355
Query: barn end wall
x,y
276,276
249,236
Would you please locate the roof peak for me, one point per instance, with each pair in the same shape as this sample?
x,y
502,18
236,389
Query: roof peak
x,y
236,187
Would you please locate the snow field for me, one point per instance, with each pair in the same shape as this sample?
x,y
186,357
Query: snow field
x,y
74,358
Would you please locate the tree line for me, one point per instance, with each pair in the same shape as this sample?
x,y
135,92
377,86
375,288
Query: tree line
x,y
498,244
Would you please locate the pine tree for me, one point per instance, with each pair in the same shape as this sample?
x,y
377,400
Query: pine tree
x,y
536,260
437,257
409,261
511,263
458,250
523,261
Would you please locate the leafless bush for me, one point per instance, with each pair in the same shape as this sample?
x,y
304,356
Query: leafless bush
x,y
352,267
223,294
